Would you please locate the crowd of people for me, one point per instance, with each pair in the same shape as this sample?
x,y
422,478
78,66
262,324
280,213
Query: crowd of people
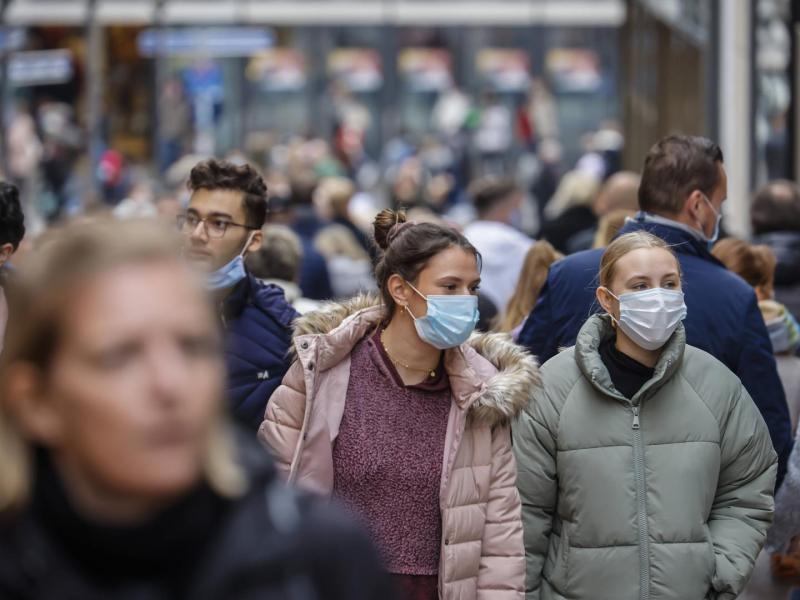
x,y
269,386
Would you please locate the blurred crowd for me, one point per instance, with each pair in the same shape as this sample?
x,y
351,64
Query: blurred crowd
x,y
309,287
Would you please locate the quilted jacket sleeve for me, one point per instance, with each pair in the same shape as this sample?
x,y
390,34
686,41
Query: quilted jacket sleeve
x,y
742,510
281,428
502,566
535,450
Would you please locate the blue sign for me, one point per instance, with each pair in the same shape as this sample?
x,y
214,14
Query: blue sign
x,y
205,41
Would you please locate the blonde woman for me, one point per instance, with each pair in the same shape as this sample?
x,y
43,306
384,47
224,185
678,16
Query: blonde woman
x,y
119,477
393,407
531,280
645,469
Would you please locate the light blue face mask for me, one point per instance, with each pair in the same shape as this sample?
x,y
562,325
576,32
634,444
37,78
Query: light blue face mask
x,y
714,236
230,273
449,322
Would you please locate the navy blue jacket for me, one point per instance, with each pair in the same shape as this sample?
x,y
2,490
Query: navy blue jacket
x,y
258,334
723,319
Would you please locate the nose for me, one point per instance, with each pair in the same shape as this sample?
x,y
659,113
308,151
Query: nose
x,y
168,373
199,232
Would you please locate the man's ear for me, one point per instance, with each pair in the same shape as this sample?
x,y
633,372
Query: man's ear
x,y
398,289
6,250
255,242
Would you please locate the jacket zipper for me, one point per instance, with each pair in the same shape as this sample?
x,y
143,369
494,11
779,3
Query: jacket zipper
x,y
641,508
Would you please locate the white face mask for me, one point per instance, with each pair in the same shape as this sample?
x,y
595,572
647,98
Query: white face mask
x,y
650,317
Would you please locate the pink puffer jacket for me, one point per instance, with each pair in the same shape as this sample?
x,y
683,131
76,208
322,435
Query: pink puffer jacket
x,y
492,379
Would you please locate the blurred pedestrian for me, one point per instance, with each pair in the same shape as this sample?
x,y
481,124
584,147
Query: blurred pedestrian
x,y
333,196
348,263
683,187
391,410
12,230
314,277
534,273
645,470
119,474
775,217
502,246
570,219
277,262
756,265
221,225
609,226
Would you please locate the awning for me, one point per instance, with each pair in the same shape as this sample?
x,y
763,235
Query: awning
x,y
576,13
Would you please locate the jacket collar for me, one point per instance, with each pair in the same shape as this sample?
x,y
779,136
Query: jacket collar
x,y
587,355
682,239
489,375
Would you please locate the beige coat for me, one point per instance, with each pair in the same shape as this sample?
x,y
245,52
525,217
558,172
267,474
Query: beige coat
x,y
492,379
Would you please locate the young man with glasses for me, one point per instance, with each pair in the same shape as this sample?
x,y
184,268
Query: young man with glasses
x,y
222,223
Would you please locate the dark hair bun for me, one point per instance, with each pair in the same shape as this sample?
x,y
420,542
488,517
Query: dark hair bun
x,y
383,224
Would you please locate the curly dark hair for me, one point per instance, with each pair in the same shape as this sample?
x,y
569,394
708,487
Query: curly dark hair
x,y
12,221
215,174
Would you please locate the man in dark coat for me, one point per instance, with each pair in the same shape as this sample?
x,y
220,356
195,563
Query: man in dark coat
x,y
222,224
683,187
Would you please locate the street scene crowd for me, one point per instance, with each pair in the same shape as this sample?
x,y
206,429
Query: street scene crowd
x,y
272,381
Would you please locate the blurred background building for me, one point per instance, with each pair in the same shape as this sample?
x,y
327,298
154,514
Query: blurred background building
x,y
104,99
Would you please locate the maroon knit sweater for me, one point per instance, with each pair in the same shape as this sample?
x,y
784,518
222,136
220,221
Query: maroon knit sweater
x,y
388,458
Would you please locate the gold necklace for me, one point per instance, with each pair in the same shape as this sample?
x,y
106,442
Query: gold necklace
x,y
431,372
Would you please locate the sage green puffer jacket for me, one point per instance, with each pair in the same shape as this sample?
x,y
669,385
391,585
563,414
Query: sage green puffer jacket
x,y
665,496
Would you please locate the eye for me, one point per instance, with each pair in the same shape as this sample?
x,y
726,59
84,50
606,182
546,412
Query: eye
x,y
670,285
220,224
116,357
191,221
450,287
475,289
640,287
199,346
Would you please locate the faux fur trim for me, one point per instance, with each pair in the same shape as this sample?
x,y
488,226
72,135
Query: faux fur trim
x,y
503,396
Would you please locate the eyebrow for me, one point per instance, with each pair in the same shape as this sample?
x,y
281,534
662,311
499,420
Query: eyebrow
x,y
456,279
211,214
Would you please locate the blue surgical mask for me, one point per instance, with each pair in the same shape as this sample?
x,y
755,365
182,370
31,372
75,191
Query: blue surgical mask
x,y
449,322
230,273
714,236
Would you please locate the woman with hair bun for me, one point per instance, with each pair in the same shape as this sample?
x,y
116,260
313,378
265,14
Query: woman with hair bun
x,y
397,410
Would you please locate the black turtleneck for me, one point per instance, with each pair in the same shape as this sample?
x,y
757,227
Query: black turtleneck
x,y
627,374
163,548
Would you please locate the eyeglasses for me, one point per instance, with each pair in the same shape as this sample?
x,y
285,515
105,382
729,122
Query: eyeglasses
x,y
215,226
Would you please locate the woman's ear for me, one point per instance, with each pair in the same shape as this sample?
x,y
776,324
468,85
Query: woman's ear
x,y
30,405
398,289
605,299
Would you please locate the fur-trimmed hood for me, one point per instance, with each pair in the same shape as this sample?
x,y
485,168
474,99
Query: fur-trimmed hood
x,y
499,376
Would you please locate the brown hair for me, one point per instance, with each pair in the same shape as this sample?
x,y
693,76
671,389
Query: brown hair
x,y
489,191
776,207
406,249
625,244
64,260
531,280
279,256
754,264
676,166
215,174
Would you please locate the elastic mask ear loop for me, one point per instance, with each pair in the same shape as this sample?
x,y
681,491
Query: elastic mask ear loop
x,y
247,243
613,320
421,295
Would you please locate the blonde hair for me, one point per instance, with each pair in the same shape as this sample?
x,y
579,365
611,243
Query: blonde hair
x,y
755,264
337,192
337,240
609,225
625,244
63,260
531,280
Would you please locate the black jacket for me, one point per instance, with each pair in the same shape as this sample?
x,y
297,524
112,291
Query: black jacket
x,y
273,544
